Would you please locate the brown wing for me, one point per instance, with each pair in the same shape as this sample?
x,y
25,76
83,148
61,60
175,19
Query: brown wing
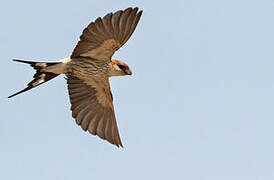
x,y
106,35
92,108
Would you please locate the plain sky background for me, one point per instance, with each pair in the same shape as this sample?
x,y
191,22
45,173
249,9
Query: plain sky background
x,y
199,105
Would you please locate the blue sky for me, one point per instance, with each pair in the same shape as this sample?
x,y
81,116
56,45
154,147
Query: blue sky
x,y
199,105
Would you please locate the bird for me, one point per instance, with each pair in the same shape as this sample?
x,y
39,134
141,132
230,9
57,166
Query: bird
x,y
88,70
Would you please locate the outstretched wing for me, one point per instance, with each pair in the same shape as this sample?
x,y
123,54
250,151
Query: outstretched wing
x,y
106,35
92,107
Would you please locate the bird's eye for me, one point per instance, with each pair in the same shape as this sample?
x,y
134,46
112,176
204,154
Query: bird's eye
x,y
122,67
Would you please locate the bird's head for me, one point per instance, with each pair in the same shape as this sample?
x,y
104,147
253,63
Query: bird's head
x,y
119,68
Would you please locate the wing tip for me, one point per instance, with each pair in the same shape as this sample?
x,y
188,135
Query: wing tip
x,y
119,145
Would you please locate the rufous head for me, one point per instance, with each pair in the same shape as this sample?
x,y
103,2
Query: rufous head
x,y
119,68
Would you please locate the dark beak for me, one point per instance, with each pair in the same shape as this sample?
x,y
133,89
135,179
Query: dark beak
x,y
128,72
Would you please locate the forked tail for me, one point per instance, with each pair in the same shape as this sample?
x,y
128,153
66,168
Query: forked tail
x,y
40,77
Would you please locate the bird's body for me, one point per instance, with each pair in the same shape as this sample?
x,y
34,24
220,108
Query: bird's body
x,y
88,70
82,66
